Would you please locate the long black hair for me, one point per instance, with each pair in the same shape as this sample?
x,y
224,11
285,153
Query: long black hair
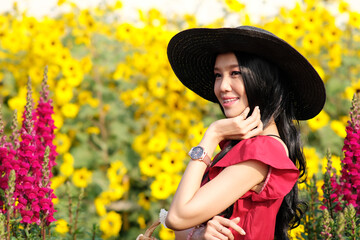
x,y
266,86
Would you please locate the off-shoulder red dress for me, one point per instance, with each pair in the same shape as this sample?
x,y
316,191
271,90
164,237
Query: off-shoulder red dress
x,y
258,210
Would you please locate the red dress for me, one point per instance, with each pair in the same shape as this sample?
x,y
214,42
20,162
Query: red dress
x,y
258,210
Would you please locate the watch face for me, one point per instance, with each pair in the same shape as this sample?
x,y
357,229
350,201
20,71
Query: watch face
x,y
196,152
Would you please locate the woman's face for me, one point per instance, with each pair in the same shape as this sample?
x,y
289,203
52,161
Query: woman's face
x,y
229,85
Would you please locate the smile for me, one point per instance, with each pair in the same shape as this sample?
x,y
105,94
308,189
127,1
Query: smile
x,y
228,102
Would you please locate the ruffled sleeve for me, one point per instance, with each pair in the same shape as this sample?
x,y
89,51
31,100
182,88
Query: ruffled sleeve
x,y
282,174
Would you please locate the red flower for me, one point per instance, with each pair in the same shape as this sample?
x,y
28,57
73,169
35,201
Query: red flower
x,y
32,184
349,185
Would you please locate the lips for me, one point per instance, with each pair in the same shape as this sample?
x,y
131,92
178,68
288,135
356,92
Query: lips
x,y
229,101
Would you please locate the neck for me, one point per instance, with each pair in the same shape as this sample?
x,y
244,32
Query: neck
x,y
271,128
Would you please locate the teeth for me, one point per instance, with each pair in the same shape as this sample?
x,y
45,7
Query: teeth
x,y
229,100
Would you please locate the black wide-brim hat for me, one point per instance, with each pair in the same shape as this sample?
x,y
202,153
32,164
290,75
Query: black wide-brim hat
x,y
192,55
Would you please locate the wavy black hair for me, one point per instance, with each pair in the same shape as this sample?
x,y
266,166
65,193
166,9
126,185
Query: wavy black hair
x,y
267,86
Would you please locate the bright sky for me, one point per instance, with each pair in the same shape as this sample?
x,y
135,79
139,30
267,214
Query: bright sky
x,y
205,10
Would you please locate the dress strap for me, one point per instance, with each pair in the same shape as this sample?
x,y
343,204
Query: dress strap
x,y
273,135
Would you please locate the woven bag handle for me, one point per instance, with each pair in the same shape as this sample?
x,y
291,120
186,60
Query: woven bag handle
x,y
149,232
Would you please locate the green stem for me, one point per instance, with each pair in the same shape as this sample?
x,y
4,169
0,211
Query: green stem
x,y
43,227
42,231
8,225
94,231
77,211
70,207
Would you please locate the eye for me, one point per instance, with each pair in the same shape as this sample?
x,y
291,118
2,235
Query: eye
x,y
235,73
217,75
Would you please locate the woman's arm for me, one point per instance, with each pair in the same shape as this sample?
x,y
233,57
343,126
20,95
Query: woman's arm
x,y
193,205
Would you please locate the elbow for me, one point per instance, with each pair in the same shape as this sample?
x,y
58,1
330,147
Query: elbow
x,y
175,222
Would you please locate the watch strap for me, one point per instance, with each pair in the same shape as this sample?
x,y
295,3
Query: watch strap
x,y
205,159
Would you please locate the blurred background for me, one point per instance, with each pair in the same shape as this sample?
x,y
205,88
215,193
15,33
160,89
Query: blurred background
x,y
125,123
205,11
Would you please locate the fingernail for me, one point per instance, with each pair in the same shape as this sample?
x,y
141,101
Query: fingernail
x,y
243,232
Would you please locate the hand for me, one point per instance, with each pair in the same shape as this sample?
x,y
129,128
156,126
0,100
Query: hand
x,y
240,127
236,128
218,228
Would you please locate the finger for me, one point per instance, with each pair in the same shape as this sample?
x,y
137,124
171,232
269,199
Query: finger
x,y
210,236
214,234
235,220
243,116
222,224
252,129
234,225
246,125
255,110
251,134
221,231
253,118
252,125
218,224
255,114
245,113
260,126
220,234
226,232
258,129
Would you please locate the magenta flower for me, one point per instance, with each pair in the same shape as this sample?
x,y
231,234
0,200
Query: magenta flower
x,y
34,162
35,207
7,163
32,159
26,216
27,176
44,128
348,187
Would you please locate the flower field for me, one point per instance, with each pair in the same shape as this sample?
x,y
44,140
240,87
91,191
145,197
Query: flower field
x,y
123,124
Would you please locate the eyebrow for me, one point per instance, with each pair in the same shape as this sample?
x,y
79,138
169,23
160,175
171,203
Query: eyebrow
x,y
229,66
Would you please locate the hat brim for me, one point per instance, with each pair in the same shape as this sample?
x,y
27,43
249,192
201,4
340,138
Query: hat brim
x,y
192,55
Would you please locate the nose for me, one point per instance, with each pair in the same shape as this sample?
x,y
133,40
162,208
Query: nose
x,y
225,85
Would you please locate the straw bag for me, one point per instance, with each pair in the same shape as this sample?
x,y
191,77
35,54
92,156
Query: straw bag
x,y
149,232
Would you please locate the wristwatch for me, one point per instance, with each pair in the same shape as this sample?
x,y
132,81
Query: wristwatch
x,y
198,153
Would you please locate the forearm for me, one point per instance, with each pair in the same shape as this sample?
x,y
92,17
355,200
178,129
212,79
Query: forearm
x,y
191,180
185,207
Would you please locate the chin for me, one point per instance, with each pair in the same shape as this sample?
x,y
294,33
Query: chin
x,y
231,115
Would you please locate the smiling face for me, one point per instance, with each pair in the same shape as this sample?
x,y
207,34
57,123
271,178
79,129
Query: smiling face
x,y
229,85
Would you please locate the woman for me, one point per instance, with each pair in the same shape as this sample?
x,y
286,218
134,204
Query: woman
x,y
262,84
